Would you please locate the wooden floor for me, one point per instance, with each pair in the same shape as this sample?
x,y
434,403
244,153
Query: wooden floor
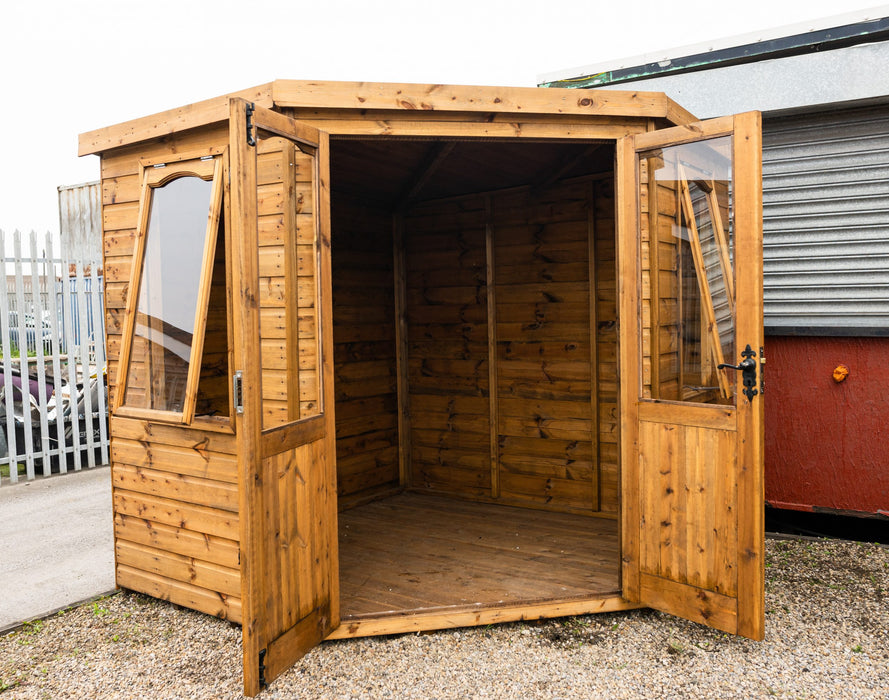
x,y
414,552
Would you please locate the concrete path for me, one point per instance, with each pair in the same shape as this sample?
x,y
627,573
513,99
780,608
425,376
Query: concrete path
x,y
56,543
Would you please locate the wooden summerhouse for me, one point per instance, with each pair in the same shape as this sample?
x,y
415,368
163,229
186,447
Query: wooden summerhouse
x,y
387,358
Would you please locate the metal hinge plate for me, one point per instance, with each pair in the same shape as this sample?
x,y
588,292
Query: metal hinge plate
x,y
251,136
238,391
262,680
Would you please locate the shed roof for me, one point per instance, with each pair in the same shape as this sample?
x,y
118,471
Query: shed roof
x,y
394,98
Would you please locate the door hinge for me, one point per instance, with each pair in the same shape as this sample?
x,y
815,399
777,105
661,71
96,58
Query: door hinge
x,y
251,136
262,680
238,391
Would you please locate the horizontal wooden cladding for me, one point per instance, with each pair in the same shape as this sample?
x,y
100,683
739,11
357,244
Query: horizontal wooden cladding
x,y
217,550
227,607
203,574
168,122
175,549
364,350
409,97
699,415
697,604
206,492
191,144
547,382
477,615
541,272
175,498
201,439
447,347
187,516
175,459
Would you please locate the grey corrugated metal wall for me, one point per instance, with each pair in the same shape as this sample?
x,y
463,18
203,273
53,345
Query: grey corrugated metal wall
x,y
80,220
826,222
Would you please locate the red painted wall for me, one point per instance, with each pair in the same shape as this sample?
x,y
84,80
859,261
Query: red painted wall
x,y
827,443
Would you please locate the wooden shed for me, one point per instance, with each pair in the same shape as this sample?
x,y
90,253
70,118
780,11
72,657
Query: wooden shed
x,y
388,358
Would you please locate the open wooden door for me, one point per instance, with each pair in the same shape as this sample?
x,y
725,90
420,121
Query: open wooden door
x,y
283,388
690,287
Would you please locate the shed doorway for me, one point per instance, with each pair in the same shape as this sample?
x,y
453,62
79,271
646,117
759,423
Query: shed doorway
x,y
475,344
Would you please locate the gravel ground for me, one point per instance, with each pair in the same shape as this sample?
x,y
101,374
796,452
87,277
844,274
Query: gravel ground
x,y
827,636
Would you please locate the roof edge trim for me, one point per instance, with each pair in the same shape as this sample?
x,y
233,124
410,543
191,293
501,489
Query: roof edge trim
x,y
406,97
398,98
168,122
691,59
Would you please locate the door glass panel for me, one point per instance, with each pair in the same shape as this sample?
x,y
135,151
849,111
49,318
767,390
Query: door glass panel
x,y
688,297
169,290
288,281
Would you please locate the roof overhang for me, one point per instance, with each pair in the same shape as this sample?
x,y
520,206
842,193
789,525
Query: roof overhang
x,y
418,100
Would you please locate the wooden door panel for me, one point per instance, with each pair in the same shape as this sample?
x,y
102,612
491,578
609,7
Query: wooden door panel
x,y
285,430
688,509
690,265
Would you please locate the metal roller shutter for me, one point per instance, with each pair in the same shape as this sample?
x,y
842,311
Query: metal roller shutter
x,y
826,223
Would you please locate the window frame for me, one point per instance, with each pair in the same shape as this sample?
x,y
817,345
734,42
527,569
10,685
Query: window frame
x,y
155,173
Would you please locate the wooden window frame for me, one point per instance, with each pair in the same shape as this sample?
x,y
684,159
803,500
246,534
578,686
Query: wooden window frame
x,y
154,173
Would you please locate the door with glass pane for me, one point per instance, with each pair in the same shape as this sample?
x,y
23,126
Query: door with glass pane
x,y
283,389
691,354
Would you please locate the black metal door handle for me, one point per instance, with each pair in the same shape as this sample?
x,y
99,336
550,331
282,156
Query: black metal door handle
x,y
745,365
747,368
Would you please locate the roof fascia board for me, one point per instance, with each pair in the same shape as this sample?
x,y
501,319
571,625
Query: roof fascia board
x,y
169,122
395,97
411,97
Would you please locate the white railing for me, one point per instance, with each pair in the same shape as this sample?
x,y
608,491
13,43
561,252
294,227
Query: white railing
x,y
53,397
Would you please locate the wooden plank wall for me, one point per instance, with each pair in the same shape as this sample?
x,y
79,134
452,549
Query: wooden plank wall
x,y
607,379
546,436
660,379
175,496
555,442
174,489
447,329
364,349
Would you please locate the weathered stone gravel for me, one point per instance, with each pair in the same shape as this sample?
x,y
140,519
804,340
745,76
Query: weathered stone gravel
x,y
827,636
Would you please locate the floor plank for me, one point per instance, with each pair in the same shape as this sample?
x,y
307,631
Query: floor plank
x,y
413,552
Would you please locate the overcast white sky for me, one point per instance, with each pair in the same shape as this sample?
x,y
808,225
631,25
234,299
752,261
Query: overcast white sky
x,y
68,66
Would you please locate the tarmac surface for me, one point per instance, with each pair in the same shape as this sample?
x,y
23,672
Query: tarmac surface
x,y
56,543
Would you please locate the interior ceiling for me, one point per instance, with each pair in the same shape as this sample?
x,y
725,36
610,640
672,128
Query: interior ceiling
x,y
389,172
